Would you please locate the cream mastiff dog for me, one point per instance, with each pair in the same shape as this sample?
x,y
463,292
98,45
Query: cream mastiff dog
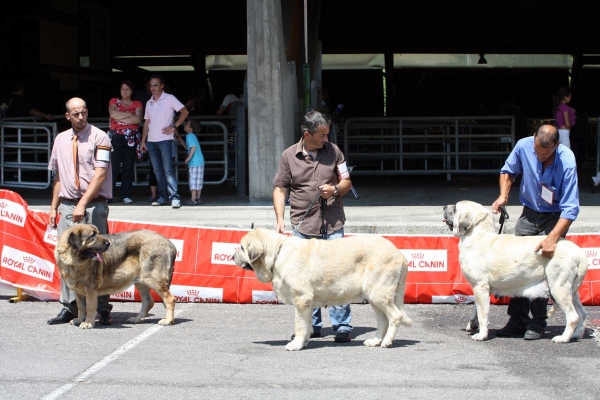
x,y
507,265
309,273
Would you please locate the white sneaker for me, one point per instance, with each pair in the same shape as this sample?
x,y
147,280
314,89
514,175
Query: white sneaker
x,y
596,180
127,200
175,203
159,202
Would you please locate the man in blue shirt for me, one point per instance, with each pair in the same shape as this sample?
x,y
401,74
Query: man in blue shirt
x,y
550,195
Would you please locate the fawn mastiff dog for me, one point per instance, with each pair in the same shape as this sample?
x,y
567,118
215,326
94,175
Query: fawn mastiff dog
x,y
309,273
507,265
93,264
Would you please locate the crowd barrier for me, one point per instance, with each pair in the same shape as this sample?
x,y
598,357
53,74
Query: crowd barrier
x,y
205,271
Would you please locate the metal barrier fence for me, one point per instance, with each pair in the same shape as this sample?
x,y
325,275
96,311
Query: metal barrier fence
x,y
215,142
428,145
27,147
25,152
372,146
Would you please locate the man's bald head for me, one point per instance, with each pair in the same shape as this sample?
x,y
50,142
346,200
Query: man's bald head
x,y
75,102
547,136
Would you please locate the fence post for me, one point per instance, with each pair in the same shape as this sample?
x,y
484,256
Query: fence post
x,y
241,146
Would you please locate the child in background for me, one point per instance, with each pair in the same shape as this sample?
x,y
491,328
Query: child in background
x,y
194,160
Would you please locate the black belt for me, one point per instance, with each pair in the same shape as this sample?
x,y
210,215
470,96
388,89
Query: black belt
x,y
543,212
98,199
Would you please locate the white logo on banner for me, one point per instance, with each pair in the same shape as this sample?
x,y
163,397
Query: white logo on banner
x,y
12,212
195,294
27,264
426,260
265,297
455,299
222,253
51,236
593,255
179,246
127,294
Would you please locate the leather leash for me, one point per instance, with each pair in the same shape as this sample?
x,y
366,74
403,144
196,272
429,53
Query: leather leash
x,y
294,229
503,217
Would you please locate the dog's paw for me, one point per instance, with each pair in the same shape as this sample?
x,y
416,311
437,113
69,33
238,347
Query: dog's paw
x,y
295,345
479,337
561,339
76,321
373,342
165,321
86,325
135,320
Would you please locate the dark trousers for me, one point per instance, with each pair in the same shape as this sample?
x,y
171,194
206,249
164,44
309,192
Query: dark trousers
x,y
532,223
122,153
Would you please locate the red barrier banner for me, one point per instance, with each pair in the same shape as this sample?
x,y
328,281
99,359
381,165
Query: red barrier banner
x,y
205,271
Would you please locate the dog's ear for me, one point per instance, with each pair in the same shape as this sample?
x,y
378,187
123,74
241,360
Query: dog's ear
x,y
255,250
74,240
465,221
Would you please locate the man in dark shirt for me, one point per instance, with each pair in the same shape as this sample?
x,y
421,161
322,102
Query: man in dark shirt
x,y
313,172
15,105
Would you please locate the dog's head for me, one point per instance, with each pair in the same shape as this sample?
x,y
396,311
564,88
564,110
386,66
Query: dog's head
x,y
258,251
465,215
85,241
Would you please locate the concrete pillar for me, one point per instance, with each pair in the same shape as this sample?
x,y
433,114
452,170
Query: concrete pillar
x,y
272,96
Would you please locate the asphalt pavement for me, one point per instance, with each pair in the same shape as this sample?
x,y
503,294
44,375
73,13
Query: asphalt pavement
x,y
237,351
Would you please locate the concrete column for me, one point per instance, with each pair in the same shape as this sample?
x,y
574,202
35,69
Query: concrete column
x,y
272,96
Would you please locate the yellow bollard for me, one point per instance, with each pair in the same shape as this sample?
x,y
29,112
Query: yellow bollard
x,y
20,296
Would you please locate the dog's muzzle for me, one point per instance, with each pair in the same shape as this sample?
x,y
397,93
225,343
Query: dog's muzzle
x,y
96,253
449,216
247,267
241,263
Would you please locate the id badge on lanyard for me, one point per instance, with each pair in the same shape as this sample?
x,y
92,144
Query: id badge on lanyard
x,y
547,194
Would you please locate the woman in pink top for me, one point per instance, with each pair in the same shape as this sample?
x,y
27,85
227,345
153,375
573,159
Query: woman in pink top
x,y
564,116
125,117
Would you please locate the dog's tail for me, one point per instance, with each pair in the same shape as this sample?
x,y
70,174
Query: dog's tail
x,y
173,257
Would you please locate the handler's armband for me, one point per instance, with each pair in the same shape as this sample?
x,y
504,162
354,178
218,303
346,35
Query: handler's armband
x,y
102,153
344,173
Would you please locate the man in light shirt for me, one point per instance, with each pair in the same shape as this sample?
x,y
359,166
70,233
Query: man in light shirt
x,y
80,192
158,136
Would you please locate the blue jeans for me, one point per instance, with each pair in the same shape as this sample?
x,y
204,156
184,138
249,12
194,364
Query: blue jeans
x,y
161,157
340,316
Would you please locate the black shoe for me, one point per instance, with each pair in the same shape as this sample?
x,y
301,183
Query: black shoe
x,y
343,337
534,332
511,330
315,334
475,324
64,317
105,318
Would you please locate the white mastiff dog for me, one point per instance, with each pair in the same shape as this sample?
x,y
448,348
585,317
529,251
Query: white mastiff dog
x,y
507,265
309,273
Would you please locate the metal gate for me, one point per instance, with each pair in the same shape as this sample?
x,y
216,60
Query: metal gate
x,y
25,153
